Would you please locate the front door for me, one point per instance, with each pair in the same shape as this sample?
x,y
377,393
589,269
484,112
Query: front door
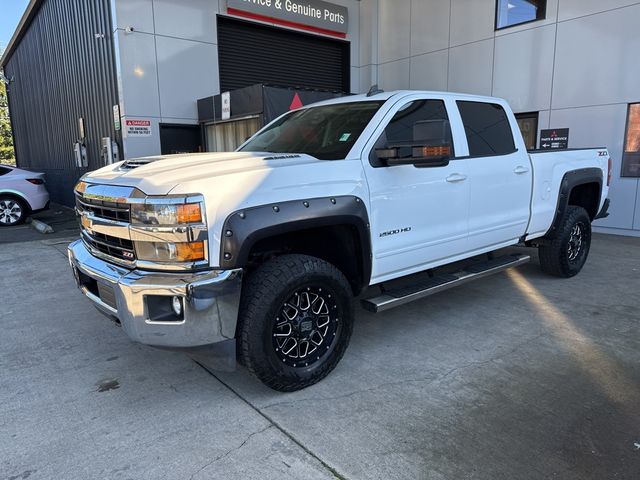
x,y
418,215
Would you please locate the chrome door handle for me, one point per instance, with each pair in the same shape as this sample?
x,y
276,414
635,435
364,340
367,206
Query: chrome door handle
x,y
456,177
519,170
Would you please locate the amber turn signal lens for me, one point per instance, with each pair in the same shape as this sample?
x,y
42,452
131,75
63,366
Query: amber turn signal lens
x,y
81,187
190,252
439,151
189,213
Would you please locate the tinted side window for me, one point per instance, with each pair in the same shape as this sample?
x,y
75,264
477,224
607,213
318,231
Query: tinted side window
x,y
419,122
4,171
487,128
423,122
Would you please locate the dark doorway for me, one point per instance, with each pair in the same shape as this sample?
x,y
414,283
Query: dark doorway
x,y
249,53
180,139
528,123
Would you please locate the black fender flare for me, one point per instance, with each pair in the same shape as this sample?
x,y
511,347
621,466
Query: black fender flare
x,y
570,180
242,229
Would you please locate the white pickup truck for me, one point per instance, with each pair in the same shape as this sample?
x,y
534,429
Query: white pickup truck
x,y
267,246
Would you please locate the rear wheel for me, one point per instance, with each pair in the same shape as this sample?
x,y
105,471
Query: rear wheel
x,y
566,253
12,211
296,320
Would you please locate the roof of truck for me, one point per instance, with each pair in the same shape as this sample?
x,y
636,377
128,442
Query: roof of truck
x,y
383,96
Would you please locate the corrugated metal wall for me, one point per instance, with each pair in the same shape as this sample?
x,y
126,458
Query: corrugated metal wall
x,y
62,70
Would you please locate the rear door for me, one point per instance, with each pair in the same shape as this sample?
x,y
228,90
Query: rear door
x,y
418,214
500,175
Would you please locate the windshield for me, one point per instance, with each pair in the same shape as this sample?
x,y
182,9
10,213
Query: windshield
x,y
326,132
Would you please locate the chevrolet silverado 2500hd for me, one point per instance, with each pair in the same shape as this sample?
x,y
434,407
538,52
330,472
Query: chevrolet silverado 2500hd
x,y
267,246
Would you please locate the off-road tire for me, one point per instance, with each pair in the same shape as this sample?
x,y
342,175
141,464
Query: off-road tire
x,y
555,254
265,293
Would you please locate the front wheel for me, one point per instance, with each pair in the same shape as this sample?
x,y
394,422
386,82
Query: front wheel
x,y
295,321
566,253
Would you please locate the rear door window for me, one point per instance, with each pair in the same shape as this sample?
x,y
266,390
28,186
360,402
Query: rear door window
x,y
487,129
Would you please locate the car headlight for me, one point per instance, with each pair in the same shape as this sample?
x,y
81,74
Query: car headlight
x,y
168,226
159,214
170,252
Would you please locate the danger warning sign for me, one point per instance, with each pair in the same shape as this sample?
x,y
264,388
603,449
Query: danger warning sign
x,y
138,128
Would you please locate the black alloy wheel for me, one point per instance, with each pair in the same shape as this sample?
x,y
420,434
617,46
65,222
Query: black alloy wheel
x,y
295,321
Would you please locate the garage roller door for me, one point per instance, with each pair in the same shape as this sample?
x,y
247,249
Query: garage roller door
x,y
250,53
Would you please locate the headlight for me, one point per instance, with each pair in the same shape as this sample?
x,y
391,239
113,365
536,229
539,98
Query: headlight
x,y
169,230
165,214
170,252
81,186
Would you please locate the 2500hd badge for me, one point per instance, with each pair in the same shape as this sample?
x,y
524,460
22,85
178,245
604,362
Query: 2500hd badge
x,y
395,232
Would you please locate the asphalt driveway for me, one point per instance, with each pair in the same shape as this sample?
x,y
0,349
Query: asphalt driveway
x,y
519,375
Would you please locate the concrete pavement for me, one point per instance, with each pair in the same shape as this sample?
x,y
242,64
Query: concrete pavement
x,y
59,217
519,375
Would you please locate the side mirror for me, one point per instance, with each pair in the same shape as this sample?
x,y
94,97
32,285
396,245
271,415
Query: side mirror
x,y
416,155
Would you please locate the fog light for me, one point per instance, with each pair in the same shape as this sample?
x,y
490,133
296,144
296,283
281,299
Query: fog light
x,y
176,303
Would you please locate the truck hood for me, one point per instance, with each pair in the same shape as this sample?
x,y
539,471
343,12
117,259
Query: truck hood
x,y
239,180
161,174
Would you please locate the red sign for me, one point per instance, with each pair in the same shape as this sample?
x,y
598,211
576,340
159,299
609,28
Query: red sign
x,y
296,102
138,123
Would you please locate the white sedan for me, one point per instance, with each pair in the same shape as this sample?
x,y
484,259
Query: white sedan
x,y
21,193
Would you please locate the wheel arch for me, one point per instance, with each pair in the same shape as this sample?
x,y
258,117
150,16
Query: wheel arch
x,y
581,187
17,196
335,229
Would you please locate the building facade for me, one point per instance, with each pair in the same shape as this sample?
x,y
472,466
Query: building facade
x,y
134,70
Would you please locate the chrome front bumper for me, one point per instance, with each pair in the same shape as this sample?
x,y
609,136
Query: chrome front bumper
x,y
211,300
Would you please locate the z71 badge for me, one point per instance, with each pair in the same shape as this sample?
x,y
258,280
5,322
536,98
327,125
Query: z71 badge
x,y
395,232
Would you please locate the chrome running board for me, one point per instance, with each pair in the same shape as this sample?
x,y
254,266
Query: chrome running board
x,y
400,296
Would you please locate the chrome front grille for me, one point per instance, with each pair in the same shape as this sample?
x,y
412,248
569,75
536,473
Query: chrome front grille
x,y
105,216
119,248
106,210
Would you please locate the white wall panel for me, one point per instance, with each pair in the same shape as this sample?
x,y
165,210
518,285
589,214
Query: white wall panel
x,y
636,220
367,77
394,75
578,8
355,80
597,59
353,36
394,18
133,13
429,71
187,71
368,32
472,20
429,25
188,19
598,127
142,146
137,74
470,68
523,68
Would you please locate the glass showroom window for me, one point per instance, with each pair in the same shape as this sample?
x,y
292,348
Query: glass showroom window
x,y
515,12
631,156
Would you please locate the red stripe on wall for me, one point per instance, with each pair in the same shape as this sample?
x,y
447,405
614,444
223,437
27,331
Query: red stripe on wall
x,y
285,23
